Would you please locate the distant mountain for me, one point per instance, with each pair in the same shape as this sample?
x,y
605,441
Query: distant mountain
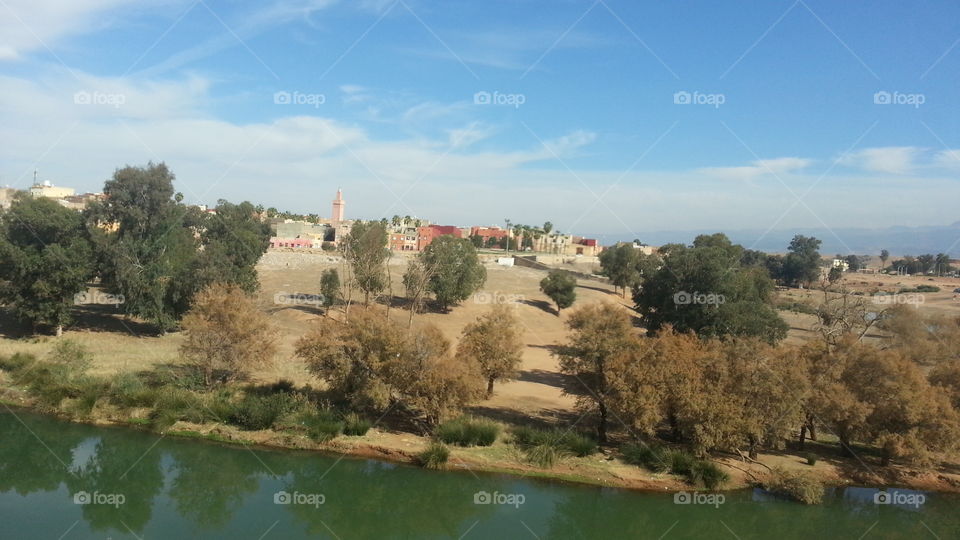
x,y
897,240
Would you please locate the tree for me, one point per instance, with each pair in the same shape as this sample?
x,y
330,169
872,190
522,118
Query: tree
x,y
547,227
494,343
330,287
457,270
704,289
233,239
151,256
560,287
45,260
371,363
416,282
834,274
226,336
599,334
801,266
365,248
620,264
884,255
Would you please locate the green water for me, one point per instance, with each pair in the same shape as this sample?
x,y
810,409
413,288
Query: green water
x,y
141,485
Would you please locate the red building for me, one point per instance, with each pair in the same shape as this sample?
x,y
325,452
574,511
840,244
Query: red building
x,y
489,232
425,235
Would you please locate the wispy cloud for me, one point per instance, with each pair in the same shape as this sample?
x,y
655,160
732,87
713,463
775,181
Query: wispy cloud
x,y
759,168
888,159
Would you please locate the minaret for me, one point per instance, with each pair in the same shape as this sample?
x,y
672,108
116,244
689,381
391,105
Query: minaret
x,y
338,204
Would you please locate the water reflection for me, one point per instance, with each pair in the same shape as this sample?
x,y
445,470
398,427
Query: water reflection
x,y
179,488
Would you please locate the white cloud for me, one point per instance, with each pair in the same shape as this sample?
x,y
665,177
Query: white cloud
x,y
888,159
758,168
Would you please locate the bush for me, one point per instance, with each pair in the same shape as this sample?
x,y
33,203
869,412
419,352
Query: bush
x,y
651,457
799,486
90,390
16,362
708,474
257,411
435,456
562,439
129,390
174,404
811,459
354,424
467,431
62,376
680,462
921,289
322,425
545,455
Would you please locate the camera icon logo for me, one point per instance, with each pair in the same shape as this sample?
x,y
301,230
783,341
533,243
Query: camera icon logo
x,y
82,98
682,98
682,497
882,497
482,497
81,497
882,98
281,98
282,497
682,298
482,98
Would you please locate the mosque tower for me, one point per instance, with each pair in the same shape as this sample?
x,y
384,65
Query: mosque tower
x,y
337,215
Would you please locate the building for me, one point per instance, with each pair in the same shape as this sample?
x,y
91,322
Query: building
x,y
336,216
50,191
426,235
289,228
79,202
6,197
299,243
405,240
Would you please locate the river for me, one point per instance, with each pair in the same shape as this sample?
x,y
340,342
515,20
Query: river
x,y
71,481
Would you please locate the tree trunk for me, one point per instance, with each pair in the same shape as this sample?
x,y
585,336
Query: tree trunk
x,y
675,428
803,436
813,431
602,426
59,330
490,387
884,457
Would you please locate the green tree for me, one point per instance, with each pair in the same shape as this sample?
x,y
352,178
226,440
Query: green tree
x,y
560,286
330,287
233,240
45,260
151,256
704,289
620,264
494,343
884,255
457,270
801,266
365,248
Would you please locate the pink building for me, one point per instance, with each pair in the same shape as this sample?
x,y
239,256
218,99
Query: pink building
x,y
290,242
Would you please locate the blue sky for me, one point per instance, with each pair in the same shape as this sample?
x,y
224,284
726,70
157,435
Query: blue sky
x,y
800,114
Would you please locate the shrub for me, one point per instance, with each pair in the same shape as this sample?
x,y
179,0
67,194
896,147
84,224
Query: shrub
x,y
16,362
545,455
173,403
354,424
562,439
129,390
799,486
435,456
651,457
679,462
811,459
62,376
322,425
185,377
256,411
708,474
467,431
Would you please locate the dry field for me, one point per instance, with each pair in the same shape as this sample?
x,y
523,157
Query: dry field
x,y
119,344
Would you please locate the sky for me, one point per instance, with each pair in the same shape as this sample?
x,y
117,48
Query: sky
x,y
602,116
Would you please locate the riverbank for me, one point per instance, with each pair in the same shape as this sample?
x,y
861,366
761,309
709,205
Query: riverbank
x,y
605,468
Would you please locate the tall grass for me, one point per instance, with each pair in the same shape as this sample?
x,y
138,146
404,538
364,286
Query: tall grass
x,y
255,411
322,425
564,439
435,456
356,425
658,459
467,431
799,486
